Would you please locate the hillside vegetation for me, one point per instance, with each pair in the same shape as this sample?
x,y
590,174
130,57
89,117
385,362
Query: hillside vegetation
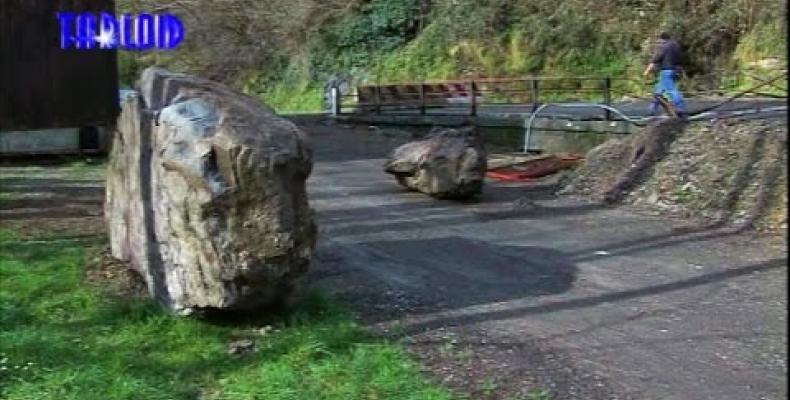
x,y
285,51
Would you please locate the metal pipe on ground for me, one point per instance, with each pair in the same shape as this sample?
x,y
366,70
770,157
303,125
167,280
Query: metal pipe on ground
x,y
642,120
530,121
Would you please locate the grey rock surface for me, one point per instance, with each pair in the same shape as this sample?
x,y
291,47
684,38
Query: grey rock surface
x,y
448,164
206,195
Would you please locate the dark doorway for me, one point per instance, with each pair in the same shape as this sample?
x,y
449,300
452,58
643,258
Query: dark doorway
x,y
89,138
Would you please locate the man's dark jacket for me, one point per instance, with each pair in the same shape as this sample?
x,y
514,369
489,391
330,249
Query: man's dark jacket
x,y
667,55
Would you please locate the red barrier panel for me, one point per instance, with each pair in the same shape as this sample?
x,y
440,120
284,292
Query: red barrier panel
x,y
533,169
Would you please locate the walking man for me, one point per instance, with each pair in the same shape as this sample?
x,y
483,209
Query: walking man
x,y
666,60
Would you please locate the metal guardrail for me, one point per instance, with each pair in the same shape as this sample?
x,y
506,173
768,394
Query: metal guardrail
x,y
467,97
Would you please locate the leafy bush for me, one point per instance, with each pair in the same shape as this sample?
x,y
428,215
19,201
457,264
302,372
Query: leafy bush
x,y
379,27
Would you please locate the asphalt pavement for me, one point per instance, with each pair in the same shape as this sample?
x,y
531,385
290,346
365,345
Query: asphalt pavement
x,y
591,302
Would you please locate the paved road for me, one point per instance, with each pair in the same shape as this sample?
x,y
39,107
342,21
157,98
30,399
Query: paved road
x,y
591,302
631,109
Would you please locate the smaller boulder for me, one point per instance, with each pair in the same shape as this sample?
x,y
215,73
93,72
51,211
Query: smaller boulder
x,y
448,164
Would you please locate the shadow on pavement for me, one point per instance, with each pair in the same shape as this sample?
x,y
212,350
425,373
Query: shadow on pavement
x,y
518,312
432,214
676,237
431,275
32,198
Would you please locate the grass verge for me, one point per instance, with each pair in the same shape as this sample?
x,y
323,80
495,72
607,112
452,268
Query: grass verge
x,y
62,338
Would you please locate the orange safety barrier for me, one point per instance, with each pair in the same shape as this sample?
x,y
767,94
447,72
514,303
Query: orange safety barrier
x,y
531,170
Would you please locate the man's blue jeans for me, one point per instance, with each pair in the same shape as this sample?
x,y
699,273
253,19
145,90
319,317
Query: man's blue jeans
x,y
666,84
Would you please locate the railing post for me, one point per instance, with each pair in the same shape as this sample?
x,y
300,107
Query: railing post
x,y
607,96
377,97
473,86
422,99
336,101
534,90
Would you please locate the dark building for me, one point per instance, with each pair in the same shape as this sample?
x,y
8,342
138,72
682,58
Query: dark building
x,y
45,87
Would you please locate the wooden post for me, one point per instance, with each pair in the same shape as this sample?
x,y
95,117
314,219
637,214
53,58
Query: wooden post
x,y
422,98
473,105
377,97
607,96
534,90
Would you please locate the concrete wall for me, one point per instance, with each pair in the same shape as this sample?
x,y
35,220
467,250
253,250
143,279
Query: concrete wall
x,y
506,133
46,141
566,142
546,141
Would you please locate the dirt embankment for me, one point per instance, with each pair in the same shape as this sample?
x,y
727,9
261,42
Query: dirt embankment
x,y
725,172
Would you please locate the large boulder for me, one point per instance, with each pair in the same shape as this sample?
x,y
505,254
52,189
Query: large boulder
x,y
448,164
206,195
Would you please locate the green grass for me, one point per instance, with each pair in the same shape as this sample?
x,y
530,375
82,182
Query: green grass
x,y
539,395
85,168
67,167
61,338
287,98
